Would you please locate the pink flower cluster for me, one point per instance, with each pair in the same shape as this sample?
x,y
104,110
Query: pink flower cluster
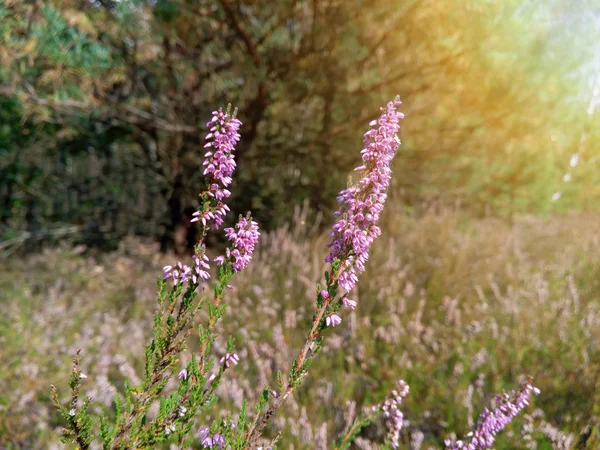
x,y
181,272
362,203
244,238
209,441
219,165
333,320
491,422
391,410
230,359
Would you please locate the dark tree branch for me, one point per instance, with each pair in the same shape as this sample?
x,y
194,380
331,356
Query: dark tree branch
x,y
399,76
128,114
241,32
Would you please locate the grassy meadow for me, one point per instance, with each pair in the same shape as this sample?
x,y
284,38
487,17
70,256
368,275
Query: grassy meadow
x,y
460,309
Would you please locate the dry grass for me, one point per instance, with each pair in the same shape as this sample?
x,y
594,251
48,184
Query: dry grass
x,y
459,309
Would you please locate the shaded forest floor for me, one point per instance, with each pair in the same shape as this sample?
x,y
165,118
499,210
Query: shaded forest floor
x,y
459,309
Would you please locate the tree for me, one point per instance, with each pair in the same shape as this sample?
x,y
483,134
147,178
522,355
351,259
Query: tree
x,y
488,113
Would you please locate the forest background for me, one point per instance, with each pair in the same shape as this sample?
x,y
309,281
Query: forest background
x,y
494,199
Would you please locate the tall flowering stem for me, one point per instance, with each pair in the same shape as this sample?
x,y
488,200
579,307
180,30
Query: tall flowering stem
x,y
219,166
492,421
362,203
352,236
393,414
80,423
174,320
178,304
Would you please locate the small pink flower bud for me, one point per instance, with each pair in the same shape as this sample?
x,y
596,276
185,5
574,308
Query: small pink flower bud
x,y
333,320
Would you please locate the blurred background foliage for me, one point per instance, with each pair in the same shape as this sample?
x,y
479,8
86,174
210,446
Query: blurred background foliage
x,y
104,104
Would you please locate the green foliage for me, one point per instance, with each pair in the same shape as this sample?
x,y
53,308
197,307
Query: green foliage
x,y
79,421
353,431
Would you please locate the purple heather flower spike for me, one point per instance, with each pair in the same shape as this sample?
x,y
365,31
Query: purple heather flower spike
x,y
244,238
362,203
391,410
219,165
182,375
183,273
491,422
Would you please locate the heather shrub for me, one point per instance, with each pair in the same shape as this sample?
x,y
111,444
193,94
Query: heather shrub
x,y
48,297
421,315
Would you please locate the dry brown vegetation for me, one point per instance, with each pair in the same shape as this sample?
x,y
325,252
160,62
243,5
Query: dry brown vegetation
x,y
458,308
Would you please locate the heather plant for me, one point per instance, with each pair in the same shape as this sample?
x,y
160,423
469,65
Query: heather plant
x,y
154,408
462,309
